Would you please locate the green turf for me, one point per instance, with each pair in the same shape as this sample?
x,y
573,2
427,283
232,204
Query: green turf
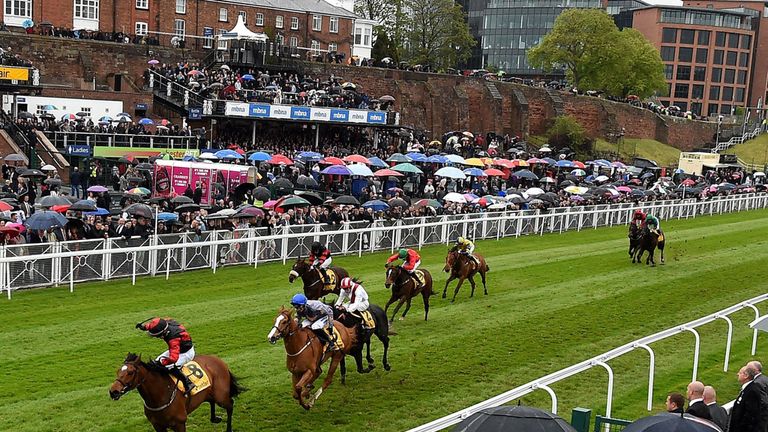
x,y
554,300
752,152
663,154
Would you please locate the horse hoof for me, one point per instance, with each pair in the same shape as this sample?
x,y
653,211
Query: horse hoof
x,y
444,296
387,367
371,367
401,319
216,420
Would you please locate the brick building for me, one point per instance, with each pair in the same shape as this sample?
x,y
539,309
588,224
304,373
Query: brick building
x,y
311,24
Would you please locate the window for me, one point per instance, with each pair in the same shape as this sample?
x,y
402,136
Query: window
x,y
699,73
687,36
207,37
725,109
741,77
743,59
738,95
179,28
181,6
733,40
279,21
87,9
222,14
746,41
259,19
243,14
294,41
317,22
717,74
703,37
696,108
668,71
367,37
685,54
332,47
730,76
714,93
720,39
142,4
315,47
697,92
727,94
683,73
701,55
141,28
668,53
718,59
222,43
333,27
669,35
681,91
86,110
294,23
682,105
279,39
730,58
712,109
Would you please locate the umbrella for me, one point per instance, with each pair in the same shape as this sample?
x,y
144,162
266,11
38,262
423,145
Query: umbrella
x,y
534,191
84,205
576,190
417,157
228,154
330,160
140,210
186,208
397,202
259,156
52,200
52,182
376,205
208,156
493,172
451,172
242,188
357,159
387,173
292,201
153,62
251,212
248,77
360,170
97,189
68,117
407,168
474,162
181,199
387,98
455,197
139,191
146,122
336,170
127,160
376,162
280,159
525,174
283,183
601,179
312,197
399,158
310,156
513,418
32,173
48,168
166,216
347,200
6,206
14,157
45,219
671,422
262,194
98,212
428,203
348,86
564,164
439,159
474,172
61,208
624,189
307,181
579,172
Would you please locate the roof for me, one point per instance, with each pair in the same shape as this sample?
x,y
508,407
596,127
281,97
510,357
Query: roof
x,y
320,7
695,9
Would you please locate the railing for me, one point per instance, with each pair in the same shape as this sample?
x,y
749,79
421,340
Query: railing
x,y
174,92
610,424
52,264
601,360
62,140
748,135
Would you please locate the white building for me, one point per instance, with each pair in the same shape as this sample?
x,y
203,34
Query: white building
x,y
364,38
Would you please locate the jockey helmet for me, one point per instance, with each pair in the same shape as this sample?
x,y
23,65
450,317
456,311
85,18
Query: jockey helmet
x,y
157,327
461,240
299,300
638,212
403,254
317,247
347,283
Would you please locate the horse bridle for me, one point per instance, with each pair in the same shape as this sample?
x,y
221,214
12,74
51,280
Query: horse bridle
x,y
291,333
316,281
126,388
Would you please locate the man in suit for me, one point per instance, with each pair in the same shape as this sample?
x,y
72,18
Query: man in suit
x,y
696,405
746,412
675,403
762,382
718,413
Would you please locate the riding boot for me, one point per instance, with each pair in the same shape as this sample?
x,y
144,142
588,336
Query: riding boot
x,y
325,339
178,373
415,280
326,278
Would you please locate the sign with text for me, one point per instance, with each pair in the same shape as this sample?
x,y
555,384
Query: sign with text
x,y
14,73
305,113
117,152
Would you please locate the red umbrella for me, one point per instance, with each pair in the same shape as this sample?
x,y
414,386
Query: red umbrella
x,y
387,173
61,208
330,160
493,172
579,164
504,163
357,158
9,231
689,182
164,122
279,159
4,206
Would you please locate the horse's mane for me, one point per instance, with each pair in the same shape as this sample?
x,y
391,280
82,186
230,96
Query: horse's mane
x,y
357,281
152,366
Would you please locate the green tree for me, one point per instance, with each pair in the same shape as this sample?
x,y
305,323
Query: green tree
x,y
567,132
376,10
383,47
635,67
436,33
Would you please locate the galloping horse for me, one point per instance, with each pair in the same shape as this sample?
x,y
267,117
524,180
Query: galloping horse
x,y
461,267
364,336
164,405
304,352
635,234
650,241
404,289
313,280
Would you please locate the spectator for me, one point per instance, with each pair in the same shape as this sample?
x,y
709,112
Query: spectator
x,y
718,413
747,412
75,181
675,403
696,405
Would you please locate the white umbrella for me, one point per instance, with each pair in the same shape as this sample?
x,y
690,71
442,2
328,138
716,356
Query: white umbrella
x,y
455,197
760,323
48,168
450,172
208,156
534,191
547,180
360,170
498,206
226,212
759,174
455,158
601,178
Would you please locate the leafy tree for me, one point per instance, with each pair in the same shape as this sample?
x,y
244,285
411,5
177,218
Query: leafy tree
x,y
567,132
636,67
383,47
436,33
376,10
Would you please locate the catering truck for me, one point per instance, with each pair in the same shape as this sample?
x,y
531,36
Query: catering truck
x,y
172,178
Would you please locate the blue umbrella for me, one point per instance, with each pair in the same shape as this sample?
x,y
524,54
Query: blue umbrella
x,y
310,156
399,158
259,156
438,159
27,23
376,205
526,174
106,119
451,172
336,170
99,212
228,154
417,157
248,77
146,122
45,219
376,162
474,172
189,158
165,216
549,160
565,163
49,108
602,163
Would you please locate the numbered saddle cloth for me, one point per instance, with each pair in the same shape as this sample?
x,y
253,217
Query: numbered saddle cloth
x,y
368,320
330,286
197,375
338,343
661,236
419,276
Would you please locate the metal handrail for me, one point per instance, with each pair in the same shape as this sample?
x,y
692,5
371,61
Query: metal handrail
x,y
62,139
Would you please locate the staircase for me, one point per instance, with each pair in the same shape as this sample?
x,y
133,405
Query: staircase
x,y
721,146
493,90
557,102
51,156
174,95
9,146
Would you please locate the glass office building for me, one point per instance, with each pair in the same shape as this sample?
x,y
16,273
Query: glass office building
x,y
506,29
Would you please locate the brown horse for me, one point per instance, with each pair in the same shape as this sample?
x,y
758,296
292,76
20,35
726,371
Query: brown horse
x,y
313,279
649,241
404,289
304,351
165,406
461,267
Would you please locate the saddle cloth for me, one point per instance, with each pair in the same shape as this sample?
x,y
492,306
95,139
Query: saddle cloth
x,y
332,278
419,276
197,375
661,236
368,320
338,342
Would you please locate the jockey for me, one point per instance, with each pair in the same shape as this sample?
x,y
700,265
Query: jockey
x,y
411,261
465,247
353,293
320,258
652,222
180,347
316,315
638,217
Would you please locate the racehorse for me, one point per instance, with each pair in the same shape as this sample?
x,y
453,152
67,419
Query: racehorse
x,y
164,405
305,355
649,241
404,289
461,267
314,288
364,335
635,233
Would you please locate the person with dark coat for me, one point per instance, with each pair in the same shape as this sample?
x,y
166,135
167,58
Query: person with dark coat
x,y
696,405
75,179
674,403
762,382
718,413
188,192
197,195
747,411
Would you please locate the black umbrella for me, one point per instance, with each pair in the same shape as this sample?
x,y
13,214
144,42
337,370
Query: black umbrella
x,y
140,210
283,183
637,193
44,220
312,197
53,200
72,199
181,199
242,188
518,200
83,205
125,160
566,183
347,200
145,166
525,174
549,196
397,202
262,194
132,196
135,179
186,208
513,418
669,422
25,115
33,173
52,182
307,181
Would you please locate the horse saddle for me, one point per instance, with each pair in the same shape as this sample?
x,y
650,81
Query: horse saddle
x,y
197,375
338,342
368,321
331,285
419,276
661,236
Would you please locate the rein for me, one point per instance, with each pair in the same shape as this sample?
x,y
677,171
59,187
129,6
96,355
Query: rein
x,y
126,389
291,333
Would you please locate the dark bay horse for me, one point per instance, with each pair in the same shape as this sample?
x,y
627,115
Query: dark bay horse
x,y
364,336
313,279
649,242
635,233
165,406
404,289
461,267
304,353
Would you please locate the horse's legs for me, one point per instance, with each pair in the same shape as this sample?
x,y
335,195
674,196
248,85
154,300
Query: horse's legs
x,y
661,250
389,302
296,389
300,387
180,427
384,338
230,409
485,288
456,291
407,307
445,290
337,358
159,428
344,367
399,304
214,417
358,356
472,284
371,361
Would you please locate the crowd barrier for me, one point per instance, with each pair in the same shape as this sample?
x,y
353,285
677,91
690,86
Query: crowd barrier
x,y
53,264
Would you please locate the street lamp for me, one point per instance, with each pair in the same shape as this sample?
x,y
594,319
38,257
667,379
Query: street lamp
x,y
717,136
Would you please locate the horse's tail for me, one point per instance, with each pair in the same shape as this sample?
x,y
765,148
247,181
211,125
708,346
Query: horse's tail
x,y
234,387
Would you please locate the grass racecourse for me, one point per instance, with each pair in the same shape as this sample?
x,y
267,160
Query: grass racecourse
x,y
554,300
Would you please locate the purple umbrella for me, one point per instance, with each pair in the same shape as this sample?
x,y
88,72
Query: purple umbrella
x,y
97,189
336,170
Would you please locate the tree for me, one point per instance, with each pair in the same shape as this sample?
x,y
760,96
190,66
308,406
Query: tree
x,y
376,10
636,67
383,47
436,33
567,132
